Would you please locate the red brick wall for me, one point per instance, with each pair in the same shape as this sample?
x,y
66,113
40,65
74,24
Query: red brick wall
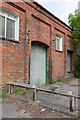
x,y
0,63
42,27
13,53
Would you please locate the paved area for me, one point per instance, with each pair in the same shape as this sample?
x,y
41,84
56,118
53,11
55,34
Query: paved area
x,y
10,111
60,102
15,108
62,87
54,102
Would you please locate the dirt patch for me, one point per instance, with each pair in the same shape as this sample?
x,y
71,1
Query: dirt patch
x,y
34,110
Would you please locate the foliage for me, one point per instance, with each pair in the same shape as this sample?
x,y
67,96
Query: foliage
x,y
74,111
3,95
63,80
18,92
77,69
27,95
54,81
74,22
38,84
44,85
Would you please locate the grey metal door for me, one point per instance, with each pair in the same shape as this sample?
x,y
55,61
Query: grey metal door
x,y
38,65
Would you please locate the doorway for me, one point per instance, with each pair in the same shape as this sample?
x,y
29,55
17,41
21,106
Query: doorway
x,y
38,64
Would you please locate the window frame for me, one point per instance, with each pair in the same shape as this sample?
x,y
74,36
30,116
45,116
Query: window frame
x,y
60,38
70,53
13,18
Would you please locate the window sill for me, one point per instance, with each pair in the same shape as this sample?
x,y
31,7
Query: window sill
x,y
59,51
70,71
78,55
70,50
17,41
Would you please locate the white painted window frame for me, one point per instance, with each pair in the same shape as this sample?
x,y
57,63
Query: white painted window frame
x,y
58,37
15,19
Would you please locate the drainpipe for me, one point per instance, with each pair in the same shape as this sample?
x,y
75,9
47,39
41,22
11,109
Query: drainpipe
x,y
29,53
25,49
50,60
65,55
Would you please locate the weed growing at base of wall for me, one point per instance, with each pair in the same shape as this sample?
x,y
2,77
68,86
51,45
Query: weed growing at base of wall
x,y
3,95
54,81
18,92
28,95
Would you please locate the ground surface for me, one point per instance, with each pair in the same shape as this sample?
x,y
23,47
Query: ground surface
x,y
56,104
60,102
14,108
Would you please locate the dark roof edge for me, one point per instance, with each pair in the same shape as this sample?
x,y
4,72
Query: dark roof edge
x,y
51,14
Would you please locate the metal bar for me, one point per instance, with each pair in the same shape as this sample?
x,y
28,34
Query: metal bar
x,y
34,94
39,89
12,89
20,85
71,104
49,91
74,103
9,89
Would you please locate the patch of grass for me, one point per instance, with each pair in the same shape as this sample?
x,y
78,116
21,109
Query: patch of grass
x,y
54,81
62,80
27,95
73,110
18,92
3,95
38,83
44,85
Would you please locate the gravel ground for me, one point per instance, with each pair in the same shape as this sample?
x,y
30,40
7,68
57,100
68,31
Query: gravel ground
x,y
33,111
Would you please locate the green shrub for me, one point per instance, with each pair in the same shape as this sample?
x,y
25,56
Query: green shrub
x,y
18,92
44,85
3,95
38,83
77,69
54,81
28,95
62,80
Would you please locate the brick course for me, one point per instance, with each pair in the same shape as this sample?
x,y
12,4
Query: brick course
x,y
35,24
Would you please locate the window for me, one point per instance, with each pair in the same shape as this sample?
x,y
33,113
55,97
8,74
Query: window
x,y
69,61
9,26
59,46
2,27
78,50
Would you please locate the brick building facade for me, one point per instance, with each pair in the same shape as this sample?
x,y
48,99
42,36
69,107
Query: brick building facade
x,y
36,45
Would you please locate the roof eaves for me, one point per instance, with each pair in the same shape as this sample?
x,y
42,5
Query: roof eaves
x,y
51,14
